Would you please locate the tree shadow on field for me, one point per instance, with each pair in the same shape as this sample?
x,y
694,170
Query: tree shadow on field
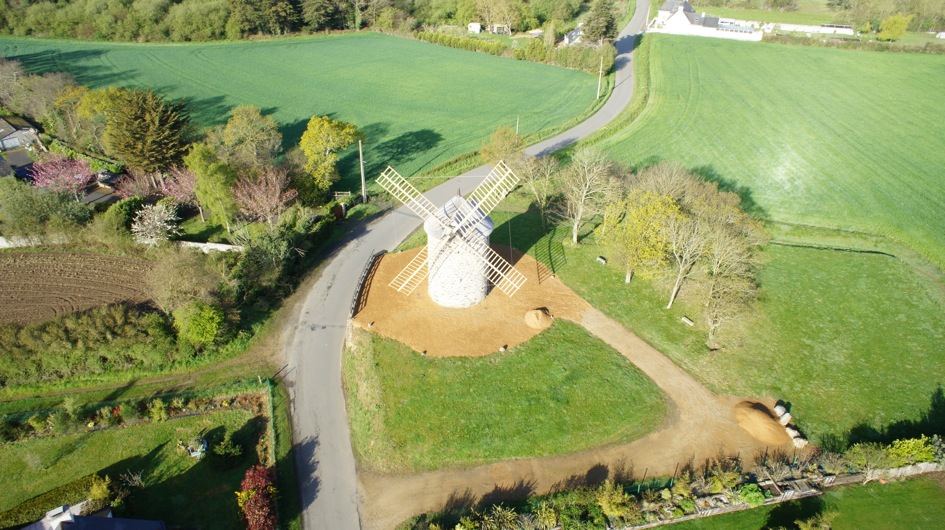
x,y
77,63
786,514
524,232
595,476
748,201
931,422
393,152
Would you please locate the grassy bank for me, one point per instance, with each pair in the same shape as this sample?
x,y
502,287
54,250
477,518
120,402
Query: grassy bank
x,y
848,338
563,391
854,149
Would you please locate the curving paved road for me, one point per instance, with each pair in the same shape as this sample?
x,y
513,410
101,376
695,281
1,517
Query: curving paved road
x,y
324,459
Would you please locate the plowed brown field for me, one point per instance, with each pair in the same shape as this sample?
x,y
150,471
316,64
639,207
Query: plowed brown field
x,y
38,286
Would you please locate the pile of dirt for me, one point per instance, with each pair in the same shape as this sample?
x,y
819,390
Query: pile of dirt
x,y
539,318
758,421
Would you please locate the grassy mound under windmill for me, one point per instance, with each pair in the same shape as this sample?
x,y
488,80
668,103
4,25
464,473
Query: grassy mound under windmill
x,y
561,392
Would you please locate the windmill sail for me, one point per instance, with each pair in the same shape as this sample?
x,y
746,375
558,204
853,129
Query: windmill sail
x,y
404,191
412,275
488,195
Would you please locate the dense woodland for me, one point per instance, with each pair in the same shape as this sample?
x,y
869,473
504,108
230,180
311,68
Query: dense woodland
x,y
201,20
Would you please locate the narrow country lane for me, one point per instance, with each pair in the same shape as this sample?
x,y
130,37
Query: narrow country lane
x,y
326,466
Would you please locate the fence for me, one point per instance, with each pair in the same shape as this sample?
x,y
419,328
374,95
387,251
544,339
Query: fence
x,y
357,303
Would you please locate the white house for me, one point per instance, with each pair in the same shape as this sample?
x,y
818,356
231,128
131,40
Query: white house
x,y
940,35
677,17
474,27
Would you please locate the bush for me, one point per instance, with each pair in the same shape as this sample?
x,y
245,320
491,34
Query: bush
x,y
910,451
227,453
752,494
200,324
103,339
157,410
35,508
120,215
256,498
129,412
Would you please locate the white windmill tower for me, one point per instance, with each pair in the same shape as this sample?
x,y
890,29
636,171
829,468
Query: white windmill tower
x,y
457,259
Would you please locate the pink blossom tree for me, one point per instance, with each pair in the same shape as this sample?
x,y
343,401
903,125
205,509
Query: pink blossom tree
x,y
265,196
60,173
180,185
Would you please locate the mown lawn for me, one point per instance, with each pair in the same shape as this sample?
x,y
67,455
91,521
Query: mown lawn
x,y
180,490
918,503
563,391
419,105
843,139
847,338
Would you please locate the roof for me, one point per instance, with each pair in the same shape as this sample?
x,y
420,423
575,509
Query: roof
x,y
454,211
11,124
697,19
673,5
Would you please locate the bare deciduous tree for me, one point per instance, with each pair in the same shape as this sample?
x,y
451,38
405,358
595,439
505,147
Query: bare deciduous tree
x,y
687,238
586,185
539,177
265,196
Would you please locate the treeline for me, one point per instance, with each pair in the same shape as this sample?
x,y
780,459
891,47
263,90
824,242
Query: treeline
x,y
463,43
586,58
663,222
201,20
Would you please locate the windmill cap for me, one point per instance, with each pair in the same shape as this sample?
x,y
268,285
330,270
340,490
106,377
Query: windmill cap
x,y
454,211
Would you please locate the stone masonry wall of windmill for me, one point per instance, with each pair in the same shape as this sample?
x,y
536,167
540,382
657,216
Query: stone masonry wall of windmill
x,y
456,277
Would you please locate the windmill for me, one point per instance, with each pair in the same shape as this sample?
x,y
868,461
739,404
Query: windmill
x,y
457,260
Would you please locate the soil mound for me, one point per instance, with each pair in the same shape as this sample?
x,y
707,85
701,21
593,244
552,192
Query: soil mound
x,y
757,420
538,318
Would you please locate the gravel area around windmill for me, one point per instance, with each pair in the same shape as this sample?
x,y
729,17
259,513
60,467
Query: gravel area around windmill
x,y
497,322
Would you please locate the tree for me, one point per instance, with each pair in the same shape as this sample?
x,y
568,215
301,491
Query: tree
x,y
634,228
894,27
256,498
249,140
146,131
617,505
317,13
265,196
213,181
600,23
180,185
322,140
28,211
586,185
61,173
199,323
155,224
503,144
687,240
539,177
177,277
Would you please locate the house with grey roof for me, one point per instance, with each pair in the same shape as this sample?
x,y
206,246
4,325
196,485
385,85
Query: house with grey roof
x,y
15,132
678,17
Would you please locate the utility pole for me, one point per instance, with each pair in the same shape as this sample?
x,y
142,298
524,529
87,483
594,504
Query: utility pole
x,y
361,156
600,77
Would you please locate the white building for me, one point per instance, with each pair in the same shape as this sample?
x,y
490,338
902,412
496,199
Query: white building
x,y
677,17
474,27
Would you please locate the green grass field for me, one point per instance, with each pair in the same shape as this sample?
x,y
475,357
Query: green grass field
x,y
180,490
844,139
563,391
918,503
848,338
420,105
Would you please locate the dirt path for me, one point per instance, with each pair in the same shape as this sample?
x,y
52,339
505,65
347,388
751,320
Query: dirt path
x,y
699,424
